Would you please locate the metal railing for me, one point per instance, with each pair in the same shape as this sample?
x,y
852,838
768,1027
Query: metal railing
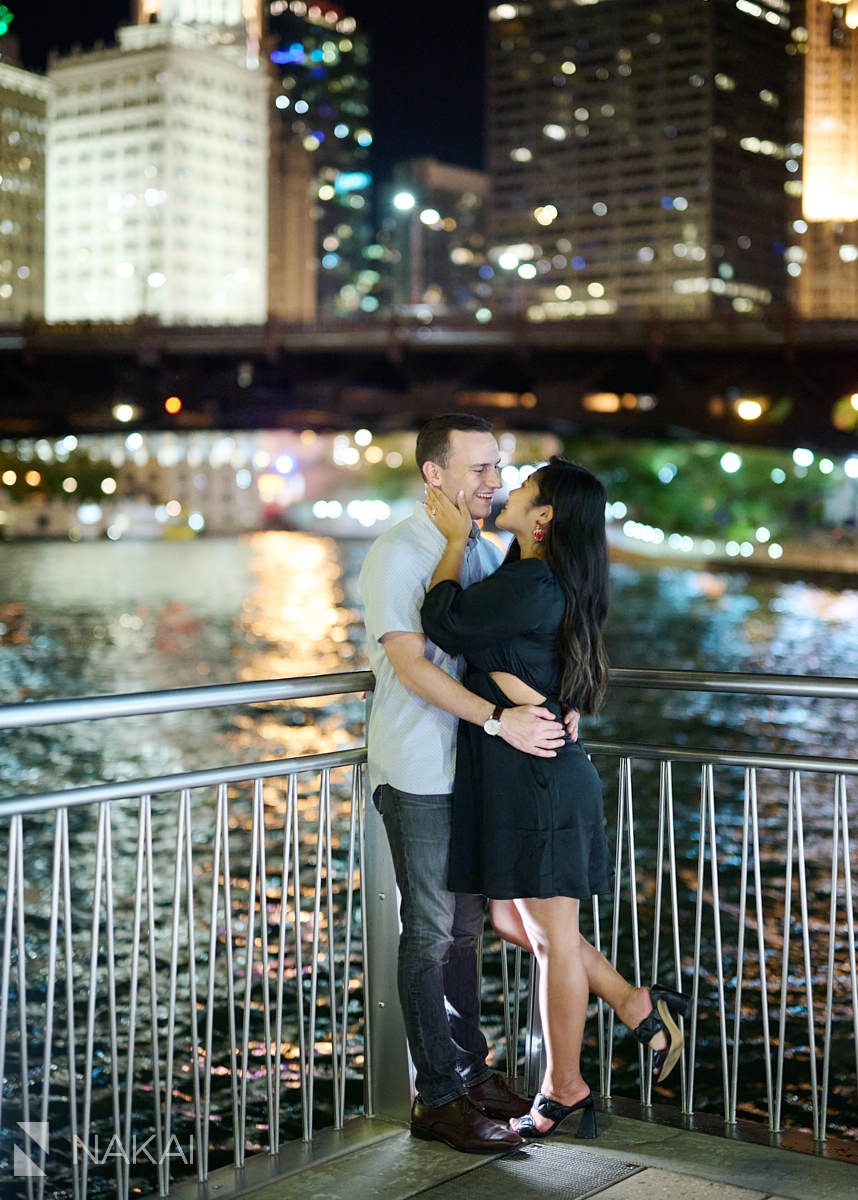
x,y
183,953
772,835
213,996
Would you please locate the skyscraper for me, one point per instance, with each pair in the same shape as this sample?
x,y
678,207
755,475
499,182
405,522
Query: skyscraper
x,y
322,60
292,258
825,258
434,236
23,108
319,111
157,182
641,156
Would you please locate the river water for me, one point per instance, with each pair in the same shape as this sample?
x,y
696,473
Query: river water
x,y
87,618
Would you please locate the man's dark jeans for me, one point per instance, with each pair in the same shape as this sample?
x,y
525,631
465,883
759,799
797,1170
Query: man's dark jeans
x,y
438,978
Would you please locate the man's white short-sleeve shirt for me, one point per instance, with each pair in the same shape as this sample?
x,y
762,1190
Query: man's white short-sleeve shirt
x,y
411,743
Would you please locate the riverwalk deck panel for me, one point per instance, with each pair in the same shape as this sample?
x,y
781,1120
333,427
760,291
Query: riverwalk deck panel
x,y
632,1160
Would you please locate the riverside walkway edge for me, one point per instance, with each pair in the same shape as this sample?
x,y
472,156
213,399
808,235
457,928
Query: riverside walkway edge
x,y
631,1160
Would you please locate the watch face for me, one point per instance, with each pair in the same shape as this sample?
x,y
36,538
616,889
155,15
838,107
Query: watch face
x,y
492,727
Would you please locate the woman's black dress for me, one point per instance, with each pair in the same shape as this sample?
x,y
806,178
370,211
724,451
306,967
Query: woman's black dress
x,y
522,826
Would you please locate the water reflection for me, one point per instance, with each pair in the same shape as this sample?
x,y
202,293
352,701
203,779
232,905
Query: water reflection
x,y
294,622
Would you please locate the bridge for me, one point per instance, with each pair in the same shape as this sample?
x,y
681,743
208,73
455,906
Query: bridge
x,y
638,378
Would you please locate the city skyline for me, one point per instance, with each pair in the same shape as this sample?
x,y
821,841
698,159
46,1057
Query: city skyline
x,y
638,165
414,59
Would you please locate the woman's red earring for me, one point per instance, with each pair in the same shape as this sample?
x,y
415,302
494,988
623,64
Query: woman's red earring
x,y
539,534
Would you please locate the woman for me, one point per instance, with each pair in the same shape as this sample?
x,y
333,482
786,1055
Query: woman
x,y
529,832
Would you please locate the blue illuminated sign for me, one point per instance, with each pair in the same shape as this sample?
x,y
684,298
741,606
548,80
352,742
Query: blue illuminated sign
x,y
352,181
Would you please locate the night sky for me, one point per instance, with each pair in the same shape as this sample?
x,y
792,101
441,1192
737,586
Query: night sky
x,y
427,74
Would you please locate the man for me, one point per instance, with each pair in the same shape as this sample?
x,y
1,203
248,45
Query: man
x,y
417,705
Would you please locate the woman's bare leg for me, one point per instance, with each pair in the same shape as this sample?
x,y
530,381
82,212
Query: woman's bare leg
x,y
631,1004
507,923
551,927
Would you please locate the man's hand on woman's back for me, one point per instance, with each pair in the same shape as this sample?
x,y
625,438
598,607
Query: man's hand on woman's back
x,y
532,729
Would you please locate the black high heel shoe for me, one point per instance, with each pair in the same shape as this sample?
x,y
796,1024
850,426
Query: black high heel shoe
x,y
667,1005
557,1114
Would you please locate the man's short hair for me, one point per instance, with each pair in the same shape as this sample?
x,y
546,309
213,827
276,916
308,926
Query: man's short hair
x,y
433,440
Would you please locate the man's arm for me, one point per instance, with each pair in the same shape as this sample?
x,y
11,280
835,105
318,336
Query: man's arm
x,y
526,727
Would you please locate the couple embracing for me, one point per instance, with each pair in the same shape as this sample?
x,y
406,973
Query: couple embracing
x,y
482,668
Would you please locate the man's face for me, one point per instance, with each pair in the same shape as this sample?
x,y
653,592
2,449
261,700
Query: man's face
x,y
472,468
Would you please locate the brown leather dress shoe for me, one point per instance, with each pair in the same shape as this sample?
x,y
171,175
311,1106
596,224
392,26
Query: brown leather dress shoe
x,y
497,1099
463,1126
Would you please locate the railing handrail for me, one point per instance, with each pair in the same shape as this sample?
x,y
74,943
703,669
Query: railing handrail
x,y
212,695
723,758
219,695
55,712
28,803
125,789
738,683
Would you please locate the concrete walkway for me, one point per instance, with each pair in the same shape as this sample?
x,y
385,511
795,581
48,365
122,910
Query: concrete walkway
x,y
631,1160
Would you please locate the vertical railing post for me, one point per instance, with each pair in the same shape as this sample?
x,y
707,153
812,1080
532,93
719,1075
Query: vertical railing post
x,y
388,1075
534,1046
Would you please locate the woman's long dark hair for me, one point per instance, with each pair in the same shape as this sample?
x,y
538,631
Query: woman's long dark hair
x,y
576,549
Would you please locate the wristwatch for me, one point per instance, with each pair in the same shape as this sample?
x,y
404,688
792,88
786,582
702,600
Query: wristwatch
x,y
493,725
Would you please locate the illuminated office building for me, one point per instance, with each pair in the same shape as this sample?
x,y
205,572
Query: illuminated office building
x,y
434,237
23,108
321,61
292,258
157,182
824,259
641,156
224,22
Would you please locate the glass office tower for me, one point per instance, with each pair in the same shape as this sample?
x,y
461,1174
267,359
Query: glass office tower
x,y
322,61
641,155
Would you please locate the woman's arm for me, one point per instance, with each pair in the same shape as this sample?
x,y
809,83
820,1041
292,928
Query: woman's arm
x,y
510,602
